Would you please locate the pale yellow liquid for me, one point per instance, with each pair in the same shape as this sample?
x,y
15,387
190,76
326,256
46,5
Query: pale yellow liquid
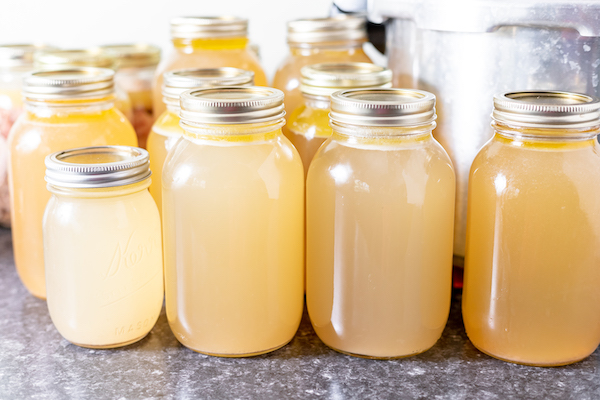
x,y
233,217
103,259
33,137
380,216
163,136
11,105
308,128
206,53
532,274
287,77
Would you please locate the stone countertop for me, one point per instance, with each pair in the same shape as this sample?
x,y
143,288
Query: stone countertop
x,y
36,362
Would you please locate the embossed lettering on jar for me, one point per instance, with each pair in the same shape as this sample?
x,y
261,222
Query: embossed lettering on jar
x,y
380,211
532,272
102,246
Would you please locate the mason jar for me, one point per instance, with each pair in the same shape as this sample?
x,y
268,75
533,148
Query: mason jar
x,y
380,217
102,246
233,224
135,67
315,41
531,292
63,109
207,42
308,126
166,130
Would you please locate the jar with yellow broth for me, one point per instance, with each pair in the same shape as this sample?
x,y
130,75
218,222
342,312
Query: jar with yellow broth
x,y
102,246
135,67
532,274
93,57
233,224
166,130
380,217
316,41
308,126
207,42
63,109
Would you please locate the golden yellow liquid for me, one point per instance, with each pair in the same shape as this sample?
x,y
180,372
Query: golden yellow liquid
x,y
380,216
11,105
163,136
115,233
287,77
206,53
233,217
532,273
33,137
141,104
308,128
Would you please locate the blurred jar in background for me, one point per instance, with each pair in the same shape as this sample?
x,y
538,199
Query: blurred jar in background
x,y
207,42
314,41
308,125
16,60
64,109
93,57
166,131
135,67
102,246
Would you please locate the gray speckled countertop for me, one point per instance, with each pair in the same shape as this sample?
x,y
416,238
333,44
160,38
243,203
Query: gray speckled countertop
x,y
36,362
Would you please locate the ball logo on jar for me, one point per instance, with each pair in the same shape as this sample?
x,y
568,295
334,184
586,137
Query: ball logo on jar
x,y
129,255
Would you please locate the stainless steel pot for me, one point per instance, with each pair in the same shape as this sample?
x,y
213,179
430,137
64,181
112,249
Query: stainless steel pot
x,y
465,52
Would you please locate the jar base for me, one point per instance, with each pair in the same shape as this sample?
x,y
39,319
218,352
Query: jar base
x,y
110,346
531,364
239,355
379,357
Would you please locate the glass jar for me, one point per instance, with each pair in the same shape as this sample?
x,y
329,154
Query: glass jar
x,y
102,246
532,274
94,57
136,64
315,41
308,126
233,213
380,217
63,109
207,42
166,131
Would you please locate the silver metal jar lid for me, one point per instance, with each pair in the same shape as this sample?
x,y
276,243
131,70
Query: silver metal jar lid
x,y
137,55
97,167
327,78
383,107
547,109
72,83
20,55
182,80
340,28
93,57
208,27
232,105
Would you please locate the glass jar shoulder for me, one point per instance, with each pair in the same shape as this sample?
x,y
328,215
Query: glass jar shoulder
x,y
309,121
167,125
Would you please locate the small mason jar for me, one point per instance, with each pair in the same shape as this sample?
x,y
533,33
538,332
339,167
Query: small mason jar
x,y
532,268
380,217
135,67
207,42
166,130
315,41
308,126
233,224
64,109
102,246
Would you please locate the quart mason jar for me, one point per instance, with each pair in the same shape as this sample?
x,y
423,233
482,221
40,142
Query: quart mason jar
x,y
380,218
166,130
207,42
63,109
532,272
135,67
93,57
233,224
102,246
316,41
308,126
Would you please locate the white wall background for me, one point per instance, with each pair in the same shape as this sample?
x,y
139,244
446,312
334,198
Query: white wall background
x,y
84,23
